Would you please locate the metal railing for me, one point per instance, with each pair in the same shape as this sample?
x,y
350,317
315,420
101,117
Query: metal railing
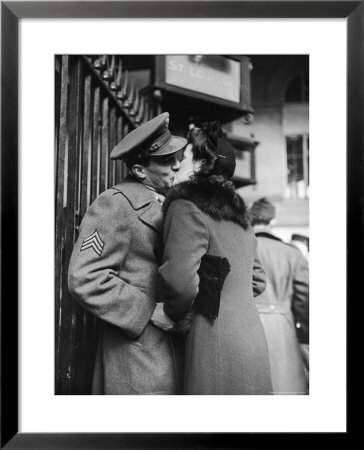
x,y
96,105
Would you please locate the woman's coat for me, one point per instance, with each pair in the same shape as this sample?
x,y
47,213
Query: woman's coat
x,y
283,306
228,355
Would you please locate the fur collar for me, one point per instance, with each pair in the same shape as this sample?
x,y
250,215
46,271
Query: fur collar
x,y
213,199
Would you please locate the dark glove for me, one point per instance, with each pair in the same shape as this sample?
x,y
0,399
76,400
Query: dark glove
x,y
212,272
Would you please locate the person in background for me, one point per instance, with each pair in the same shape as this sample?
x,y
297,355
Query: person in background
x,y
211,273
284,305
113,272
303,244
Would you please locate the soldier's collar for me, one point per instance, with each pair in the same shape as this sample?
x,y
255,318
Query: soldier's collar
x,y
267,235
135,192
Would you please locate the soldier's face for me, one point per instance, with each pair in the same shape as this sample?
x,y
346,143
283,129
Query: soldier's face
x,y
161,171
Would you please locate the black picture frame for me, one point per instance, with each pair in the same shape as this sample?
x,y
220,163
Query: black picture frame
x,y
11,12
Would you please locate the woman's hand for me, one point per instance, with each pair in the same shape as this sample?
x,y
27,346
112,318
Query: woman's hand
x,y
160,319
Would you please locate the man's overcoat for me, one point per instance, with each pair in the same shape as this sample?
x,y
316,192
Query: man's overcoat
x,y
283,304
113,273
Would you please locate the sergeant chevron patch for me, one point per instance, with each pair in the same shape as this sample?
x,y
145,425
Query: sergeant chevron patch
x,y
94,241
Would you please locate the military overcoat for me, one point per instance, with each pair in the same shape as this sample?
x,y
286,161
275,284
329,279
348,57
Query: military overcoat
x,y
113,273
228,355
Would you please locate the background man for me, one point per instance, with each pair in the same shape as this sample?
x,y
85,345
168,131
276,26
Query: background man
x,y
303,244
283,306
113,270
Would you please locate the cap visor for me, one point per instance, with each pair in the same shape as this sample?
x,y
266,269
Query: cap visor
x,y
174,145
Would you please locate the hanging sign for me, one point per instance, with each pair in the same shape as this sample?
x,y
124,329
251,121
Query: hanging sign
x,y
213,75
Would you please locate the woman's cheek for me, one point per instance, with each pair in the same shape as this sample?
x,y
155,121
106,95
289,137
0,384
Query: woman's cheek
x,y
181,176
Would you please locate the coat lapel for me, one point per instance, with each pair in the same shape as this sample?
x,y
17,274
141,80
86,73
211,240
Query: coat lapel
x,y
136,194
152,216
143,201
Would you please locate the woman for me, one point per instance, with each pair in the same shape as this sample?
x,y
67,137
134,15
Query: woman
x,y
226,350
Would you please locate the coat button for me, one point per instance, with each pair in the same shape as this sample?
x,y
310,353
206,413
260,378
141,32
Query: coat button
x,y
272,307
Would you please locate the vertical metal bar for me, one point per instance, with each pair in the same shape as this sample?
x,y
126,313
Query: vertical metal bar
x,y
112,174
62,149
86,146
105,144
58,76
76,115
99,159
125,132
119,133
96,145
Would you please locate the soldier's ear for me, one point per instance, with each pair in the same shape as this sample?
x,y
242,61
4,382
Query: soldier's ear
x,y
138,171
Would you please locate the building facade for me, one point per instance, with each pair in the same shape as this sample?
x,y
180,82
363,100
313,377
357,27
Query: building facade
x,y
280,99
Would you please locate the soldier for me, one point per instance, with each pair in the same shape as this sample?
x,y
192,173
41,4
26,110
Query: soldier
x,y
113,272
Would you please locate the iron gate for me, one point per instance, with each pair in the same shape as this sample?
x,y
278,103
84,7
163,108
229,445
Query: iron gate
x,y
96,105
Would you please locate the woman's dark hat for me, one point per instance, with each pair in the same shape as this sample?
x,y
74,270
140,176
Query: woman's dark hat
x,y
262,211
226,162
152,138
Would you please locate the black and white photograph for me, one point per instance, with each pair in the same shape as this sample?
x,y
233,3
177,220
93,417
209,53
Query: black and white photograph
x,y
182,187
181,198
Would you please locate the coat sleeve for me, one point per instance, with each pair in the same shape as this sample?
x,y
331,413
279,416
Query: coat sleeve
x,y
186,240
93,275
259,278
300,299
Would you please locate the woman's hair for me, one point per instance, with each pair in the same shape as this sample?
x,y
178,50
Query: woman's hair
x,y
204,146
204,142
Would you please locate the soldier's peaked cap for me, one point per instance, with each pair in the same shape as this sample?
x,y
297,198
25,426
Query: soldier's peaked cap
x,y
152,138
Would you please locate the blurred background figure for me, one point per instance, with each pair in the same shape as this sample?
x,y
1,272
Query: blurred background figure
x,y
284,305
302,243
